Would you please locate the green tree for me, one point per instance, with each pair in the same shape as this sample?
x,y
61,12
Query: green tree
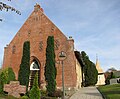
x,y
6,75
35,91
110,76
113,75
24,71
90,71
11,75
50,69
107,81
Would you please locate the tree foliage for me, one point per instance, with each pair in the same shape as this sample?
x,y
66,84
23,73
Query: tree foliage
x,y
24,71
50,69
4,6
35,91
107,81
112,69
110,76
6,75
90,71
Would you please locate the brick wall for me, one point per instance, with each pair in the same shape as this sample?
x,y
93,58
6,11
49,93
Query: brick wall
x,y
36,29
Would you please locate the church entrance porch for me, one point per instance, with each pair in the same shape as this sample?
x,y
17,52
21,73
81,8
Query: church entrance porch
x,y
34,68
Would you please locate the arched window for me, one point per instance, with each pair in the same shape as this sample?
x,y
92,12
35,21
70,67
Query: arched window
x,y
34,66
57,44
13,49
40,45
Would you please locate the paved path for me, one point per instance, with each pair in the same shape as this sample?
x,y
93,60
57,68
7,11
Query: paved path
x,y
87,93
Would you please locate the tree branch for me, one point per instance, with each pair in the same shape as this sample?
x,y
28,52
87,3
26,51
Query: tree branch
x,y
7,7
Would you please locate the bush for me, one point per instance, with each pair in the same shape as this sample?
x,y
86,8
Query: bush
x,y
24,97
90,71
24,71
11,75
58,93
35,91
107,81
43,93
6,76
1,85
50,69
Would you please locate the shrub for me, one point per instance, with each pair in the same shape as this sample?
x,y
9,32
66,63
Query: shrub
x,y
107,81
90,71
11,75
24,97
113,75
6,76
1,84
43,93
24,71
50,69
35,91
58,93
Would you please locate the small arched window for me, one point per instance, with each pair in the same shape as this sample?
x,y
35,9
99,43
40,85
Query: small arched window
x,y
56,44
13,49
40,45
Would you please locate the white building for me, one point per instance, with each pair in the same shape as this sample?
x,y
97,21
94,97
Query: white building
x,y
101,77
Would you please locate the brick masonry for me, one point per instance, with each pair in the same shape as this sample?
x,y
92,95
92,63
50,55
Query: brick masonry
x,y
14,89
36,29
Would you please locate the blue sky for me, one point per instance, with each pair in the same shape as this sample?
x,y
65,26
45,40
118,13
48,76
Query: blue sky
x,y
94,25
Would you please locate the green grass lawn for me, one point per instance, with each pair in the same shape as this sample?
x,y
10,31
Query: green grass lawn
x,y
110,91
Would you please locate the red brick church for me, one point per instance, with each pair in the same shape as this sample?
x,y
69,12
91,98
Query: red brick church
x,y
36,29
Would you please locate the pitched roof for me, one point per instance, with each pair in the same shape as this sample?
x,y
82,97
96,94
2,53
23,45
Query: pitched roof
x,y
99,69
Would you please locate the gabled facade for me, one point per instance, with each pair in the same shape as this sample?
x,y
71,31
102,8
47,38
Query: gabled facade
x,y
36,29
